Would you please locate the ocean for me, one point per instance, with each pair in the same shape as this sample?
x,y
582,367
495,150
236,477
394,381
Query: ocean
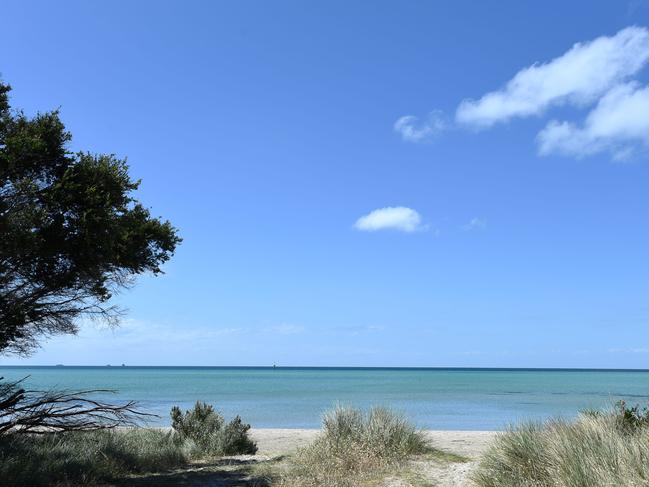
x,y
296,397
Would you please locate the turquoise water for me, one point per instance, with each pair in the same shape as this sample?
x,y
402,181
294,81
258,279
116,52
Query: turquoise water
x,y
454,399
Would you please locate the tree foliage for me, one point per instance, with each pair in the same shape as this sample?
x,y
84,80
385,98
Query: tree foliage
x,y
71,232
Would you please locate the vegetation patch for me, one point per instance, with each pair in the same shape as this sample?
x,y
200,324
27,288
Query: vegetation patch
x,y
85,458
355,448
209,433
92,457
597,449
442,456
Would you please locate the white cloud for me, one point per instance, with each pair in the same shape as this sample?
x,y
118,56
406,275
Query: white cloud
x,y
618,123
580,77
137,331
355,330
475,224
390,218
414,130
286,329
629,350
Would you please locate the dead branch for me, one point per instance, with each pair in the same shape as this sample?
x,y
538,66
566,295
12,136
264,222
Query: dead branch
x,y
24,411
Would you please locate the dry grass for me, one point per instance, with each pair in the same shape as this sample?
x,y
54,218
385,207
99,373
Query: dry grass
x,y
595,450
355,449
100,456
86,458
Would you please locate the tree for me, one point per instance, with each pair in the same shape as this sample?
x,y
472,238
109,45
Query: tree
x,y
71,232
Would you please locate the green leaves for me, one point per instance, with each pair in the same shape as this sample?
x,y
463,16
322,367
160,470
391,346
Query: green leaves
x,y
209,432
71,230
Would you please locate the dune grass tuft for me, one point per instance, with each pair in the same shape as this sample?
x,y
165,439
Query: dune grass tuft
x,y
354,448
596,449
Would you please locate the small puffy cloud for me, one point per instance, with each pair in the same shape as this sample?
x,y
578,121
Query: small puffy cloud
x,y
412,129
580,76
475,224
391,218
618,124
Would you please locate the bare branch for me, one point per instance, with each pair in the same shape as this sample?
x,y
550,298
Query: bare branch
x,y
24,411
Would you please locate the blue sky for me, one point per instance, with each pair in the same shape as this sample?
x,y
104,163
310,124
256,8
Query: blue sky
x,y
363,183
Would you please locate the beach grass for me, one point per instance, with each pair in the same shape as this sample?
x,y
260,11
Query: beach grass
x,y
596,449
100,456
86,458
355,448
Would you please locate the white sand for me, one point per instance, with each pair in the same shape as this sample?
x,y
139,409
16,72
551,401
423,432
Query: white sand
x,y
274,442
470,444
466,443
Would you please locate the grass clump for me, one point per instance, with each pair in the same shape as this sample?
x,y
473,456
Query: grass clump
x,y
597,449
86,458
208,431
355,447
101,456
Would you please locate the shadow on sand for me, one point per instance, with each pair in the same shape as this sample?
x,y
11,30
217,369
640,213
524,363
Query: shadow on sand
x,y
227,472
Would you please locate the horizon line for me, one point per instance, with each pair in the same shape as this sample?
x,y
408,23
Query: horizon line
x,y
331,367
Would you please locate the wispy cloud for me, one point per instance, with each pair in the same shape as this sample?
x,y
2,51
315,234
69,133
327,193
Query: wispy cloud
x,y
618,124
355,330
629,350
397,218
475,224
136,331
412,129
285,329
579,77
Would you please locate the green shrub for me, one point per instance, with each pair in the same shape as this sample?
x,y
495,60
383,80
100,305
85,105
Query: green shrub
x,y
597,449
200,424
631,417
354,447
207,429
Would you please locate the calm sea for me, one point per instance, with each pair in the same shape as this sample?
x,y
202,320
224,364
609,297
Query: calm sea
x,y
455,399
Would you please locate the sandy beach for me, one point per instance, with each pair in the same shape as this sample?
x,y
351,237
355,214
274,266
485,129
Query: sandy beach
x,y
442,472
275,442
469,444
464,449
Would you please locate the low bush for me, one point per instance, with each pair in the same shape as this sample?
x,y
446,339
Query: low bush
x,y
211,436
597,449
632,417
354,447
